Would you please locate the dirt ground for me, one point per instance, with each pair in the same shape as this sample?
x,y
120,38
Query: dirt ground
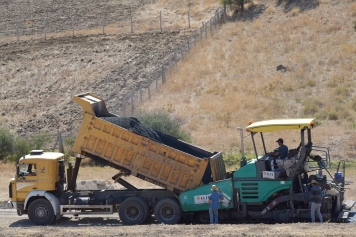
x,y
58,68
111,229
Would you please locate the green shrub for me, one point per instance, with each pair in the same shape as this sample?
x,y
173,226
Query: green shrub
x,y
236,3
355,25
162,121
333,116
6,143
13,148
322,115
311,106
68,143
232,160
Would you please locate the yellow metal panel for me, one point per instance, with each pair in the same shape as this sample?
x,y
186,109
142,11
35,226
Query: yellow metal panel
x,y
150,160
280,124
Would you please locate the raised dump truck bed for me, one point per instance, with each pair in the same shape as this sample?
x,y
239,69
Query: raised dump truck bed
x,y
150,155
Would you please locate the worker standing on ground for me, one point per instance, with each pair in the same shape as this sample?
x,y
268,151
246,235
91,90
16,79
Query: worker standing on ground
x,y
214,200
315,201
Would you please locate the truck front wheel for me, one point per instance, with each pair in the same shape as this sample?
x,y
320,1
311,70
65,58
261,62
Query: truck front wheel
x,y
40,212
167,211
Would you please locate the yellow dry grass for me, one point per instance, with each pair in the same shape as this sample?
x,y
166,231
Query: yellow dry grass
x,y
232,78
7,171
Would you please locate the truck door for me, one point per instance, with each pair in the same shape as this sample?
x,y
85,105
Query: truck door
x,y
26,180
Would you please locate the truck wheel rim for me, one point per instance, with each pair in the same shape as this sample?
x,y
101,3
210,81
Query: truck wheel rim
x,y
167,212
41,212
132,212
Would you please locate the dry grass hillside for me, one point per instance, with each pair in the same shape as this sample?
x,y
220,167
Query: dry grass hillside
x,y
232,79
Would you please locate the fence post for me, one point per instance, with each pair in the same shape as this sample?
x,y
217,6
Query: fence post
x,y
206,30
72,26
18,31
149,91
189,18
201,32
124,105
103,23
175,56
141,92
131,23
181,53
60,143
156,78
170,66
163,74
45,21
132,102
195,37
160,20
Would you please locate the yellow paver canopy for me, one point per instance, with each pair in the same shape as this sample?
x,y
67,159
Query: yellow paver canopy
x,y
280,124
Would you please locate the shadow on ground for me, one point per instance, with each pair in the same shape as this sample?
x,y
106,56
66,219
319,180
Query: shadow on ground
x,y
303,5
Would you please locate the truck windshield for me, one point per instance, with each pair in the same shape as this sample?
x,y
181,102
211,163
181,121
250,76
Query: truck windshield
x,y
23,168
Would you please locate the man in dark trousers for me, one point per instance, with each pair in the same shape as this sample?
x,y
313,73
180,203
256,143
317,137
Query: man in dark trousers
x,y
315,199
214,199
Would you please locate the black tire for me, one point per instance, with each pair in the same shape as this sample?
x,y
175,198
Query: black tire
x,y
40,212
133,211
146,212
203,217
167,211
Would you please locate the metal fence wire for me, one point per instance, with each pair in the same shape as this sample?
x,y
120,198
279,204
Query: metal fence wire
x,y
126,106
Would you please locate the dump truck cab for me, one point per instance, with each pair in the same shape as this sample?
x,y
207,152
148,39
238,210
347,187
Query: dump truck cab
x,y
38,175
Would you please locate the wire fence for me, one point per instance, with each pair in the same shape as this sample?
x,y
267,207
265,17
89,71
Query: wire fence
x,y
127,105
34,18
36,23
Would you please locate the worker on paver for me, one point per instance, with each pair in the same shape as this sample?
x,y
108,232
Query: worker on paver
x,y
214,199
315,200
281,151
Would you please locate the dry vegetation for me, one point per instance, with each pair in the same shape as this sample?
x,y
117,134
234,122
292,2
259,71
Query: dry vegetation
x,y
232,79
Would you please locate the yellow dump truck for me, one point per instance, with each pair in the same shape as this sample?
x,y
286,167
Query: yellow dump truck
x,y
176,168
48,193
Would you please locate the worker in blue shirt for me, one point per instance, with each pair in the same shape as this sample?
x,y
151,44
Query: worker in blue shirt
x,y
214,199
315,198
281,151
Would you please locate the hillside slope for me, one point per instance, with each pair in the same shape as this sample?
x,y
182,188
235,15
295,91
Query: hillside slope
x,y
39,77
232,79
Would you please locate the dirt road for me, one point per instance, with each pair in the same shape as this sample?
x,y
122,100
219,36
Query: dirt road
x,y
110,225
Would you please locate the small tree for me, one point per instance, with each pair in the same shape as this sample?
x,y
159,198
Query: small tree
x,y
163,122
6,143
355,25
237,3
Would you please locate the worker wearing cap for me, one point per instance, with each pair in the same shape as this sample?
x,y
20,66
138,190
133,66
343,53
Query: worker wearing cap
x,y
281,151
214,199
315,199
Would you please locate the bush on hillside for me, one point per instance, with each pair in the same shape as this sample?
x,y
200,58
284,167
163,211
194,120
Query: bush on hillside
x,y
162,121
355,25
234,4
12,148
6,143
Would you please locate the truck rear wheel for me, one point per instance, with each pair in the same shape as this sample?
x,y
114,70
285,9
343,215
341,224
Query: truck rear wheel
x,y
133,211
167,211
40,212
